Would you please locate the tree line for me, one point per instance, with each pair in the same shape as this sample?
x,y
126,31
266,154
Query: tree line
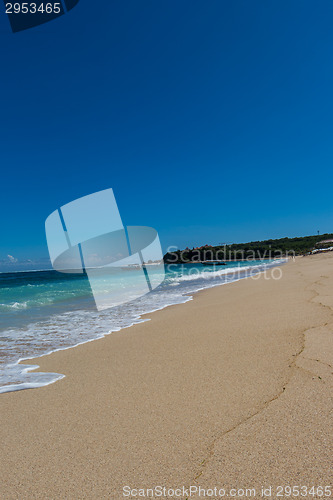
x,y
266,249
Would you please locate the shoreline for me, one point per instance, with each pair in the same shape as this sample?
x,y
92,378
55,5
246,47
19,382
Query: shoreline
x,y
27,368
185,398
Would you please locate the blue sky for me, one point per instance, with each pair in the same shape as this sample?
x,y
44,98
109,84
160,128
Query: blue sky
x,y
212,121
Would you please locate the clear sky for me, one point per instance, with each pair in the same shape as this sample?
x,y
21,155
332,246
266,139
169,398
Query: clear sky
x,y
211,120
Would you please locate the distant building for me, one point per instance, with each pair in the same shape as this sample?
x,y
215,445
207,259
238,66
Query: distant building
x,y
324,243
323,246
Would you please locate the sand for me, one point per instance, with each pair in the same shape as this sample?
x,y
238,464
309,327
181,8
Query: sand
x,y
230,390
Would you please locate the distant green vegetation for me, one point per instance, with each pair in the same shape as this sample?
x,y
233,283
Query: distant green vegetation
x,y
253,250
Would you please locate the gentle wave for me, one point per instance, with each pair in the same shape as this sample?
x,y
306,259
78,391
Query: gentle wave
x,y
15,305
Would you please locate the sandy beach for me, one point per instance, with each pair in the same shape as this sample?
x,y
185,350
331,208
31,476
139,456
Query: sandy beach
x,y
230,390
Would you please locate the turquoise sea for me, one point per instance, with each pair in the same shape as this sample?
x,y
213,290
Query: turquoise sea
x,y
45,311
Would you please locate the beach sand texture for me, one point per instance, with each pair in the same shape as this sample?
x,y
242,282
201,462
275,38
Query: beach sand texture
x,y
232,389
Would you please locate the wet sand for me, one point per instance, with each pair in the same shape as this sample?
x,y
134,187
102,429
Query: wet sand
x,y
230,390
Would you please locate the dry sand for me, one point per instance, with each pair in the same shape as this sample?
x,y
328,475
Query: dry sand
x,y
230,390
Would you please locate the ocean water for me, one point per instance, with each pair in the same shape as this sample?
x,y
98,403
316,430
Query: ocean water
x,y
45,311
